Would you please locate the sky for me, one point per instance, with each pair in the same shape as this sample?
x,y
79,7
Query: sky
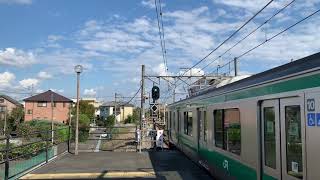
x,y
41,41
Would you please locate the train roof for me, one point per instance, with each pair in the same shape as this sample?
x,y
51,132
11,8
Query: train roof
x,y
303,64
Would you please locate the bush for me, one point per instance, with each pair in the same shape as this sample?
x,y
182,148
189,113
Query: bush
x,y
129,119
84,123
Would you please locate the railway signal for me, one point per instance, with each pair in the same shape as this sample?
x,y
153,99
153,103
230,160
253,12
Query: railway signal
x,y
155,93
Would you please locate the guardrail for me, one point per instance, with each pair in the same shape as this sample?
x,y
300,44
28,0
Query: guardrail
x,y
21,154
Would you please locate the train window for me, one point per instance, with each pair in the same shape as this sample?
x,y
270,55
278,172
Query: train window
x,y
190,123
294,141
205,126
228,130
232,130
218,128
187,123
269,137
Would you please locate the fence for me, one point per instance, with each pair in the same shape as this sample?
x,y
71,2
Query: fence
x,y
21,154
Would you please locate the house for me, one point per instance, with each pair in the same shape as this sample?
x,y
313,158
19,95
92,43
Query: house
x,y
7,104
39,107
121,109
92,101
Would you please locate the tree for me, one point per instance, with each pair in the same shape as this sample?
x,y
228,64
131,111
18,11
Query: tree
x,y
84,123
16,117
136,115
85,108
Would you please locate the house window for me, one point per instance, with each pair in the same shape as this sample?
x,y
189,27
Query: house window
x,y
2,108
1,100
64,104
227,131
54,104
187,123
42,104
29,111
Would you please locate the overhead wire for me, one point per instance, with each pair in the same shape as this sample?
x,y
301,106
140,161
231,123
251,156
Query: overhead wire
x,y
161,35
233,34
274,36
163,39
245,37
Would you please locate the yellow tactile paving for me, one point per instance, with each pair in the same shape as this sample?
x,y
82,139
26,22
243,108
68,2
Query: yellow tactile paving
x,y
110,174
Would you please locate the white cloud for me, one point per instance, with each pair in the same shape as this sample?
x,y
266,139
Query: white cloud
x,y
6,79
150,4
29,82
248,4
16,57
90,92
54,38
22,2
44,75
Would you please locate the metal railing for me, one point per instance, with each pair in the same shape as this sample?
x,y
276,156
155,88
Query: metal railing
x,y
33,149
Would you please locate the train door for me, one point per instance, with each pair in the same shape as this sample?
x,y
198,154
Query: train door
x,y
283,139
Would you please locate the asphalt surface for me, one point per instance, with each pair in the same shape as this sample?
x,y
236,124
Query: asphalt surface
x,y
121,165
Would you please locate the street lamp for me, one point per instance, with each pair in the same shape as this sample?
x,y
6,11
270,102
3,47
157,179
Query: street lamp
x,y
78,69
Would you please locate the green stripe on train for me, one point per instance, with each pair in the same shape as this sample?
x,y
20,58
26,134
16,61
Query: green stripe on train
x,y
235,168
280,87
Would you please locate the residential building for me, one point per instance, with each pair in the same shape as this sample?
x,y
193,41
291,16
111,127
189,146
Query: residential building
x,y
92,101
39,107
7,104
120,109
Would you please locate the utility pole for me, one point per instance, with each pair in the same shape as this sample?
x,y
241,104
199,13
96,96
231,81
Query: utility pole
x,y
141,106
235,66
115,107
78,69
52,133
142,96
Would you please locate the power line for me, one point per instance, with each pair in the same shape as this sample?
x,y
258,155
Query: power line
x,y
274,36
161,34
133,96
233,34
164,40
258,27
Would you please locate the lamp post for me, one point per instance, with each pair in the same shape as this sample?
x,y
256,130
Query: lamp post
x,y
78,69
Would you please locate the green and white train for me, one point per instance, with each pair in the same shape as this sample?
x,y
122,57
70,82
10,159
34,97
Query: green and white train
x,y
266,126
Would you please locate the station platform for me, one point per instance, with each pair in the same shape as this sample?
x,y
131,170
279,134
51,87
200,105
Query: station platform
x,y
121,165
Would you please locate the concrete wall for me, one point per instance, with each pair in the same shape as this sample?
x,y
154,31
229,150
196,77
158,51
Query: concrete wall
x,y
60,112
125,112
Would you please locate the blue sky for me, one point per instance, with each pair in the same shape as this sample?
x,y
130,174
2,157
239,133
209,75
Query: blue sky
x,y
41,41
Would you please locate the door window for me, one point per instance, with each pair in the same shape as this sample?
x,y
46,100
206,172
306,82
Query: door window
x,y
294,141
269,137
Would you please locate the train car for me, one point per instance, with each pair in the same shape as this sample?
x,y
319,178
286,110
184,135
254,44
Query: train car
x,y
266,126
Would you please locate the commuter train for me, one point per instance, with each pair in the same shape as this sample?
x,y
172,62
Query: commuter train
x,y
266,126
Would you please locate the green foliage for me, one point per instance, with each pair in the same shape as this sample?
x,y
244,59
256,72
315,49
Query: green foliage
x,y
24,130
134,118
129,119
15,117
110,121
85,108
84,123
